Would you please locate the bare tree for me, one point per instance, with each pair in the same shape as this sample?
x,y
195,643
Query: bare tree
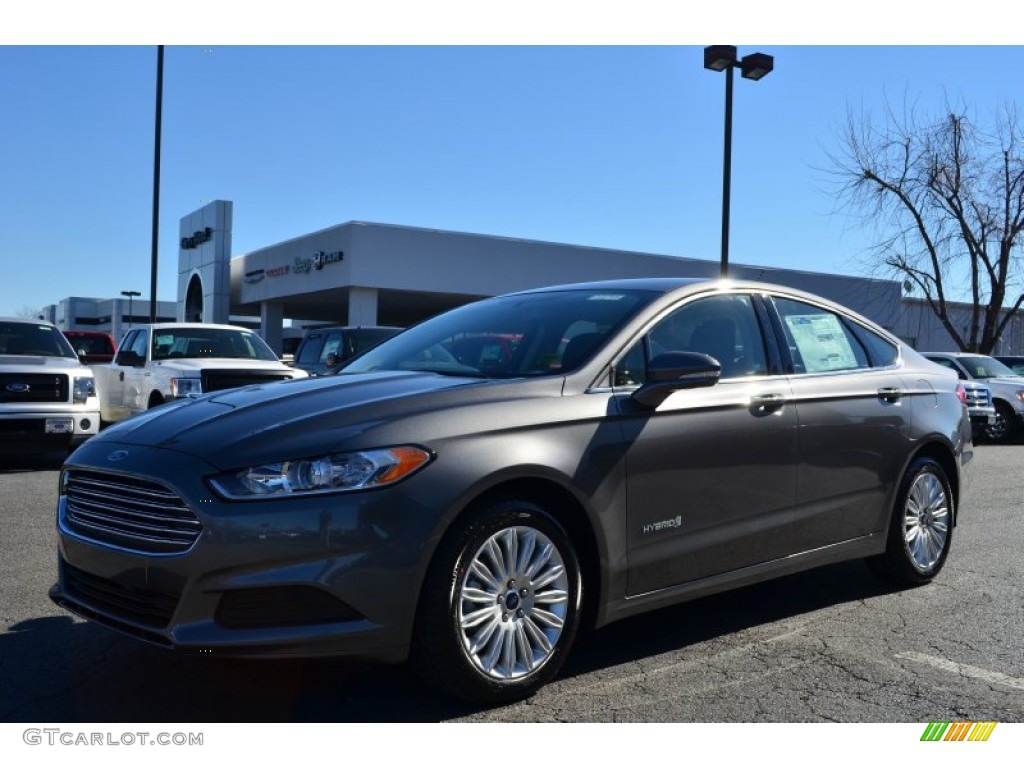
x,y
947,200
28,312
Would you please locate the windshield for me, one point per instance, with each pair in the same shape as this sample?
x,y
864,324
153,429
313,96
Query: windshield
x,y
982,367
33,339
170,343
531,334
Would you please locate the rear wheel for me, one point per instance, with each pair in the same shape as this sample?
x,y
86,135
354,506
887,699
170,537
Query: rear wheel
x,y
921,529
500,606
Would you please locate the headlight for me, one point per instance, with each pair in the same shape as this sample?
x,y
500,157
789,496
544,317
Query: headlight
x,y
324,474
84,388
186,387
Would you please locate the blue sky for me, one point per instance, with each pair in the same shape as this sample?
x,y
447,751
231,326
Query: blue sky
x,y
612,146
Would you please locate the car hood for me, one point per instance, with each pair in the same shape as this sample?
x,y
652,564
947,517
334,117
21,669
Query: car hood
x,y
1005,381
293,419
21,362
198,365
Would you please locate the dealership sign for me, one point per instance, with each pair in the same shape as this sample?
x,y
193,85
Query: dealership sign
x,y
198,238
318,260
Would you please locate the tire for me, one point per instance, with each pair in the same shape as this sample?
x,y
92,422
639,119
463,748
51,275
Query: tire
x,y
500,606
921,528
1003,428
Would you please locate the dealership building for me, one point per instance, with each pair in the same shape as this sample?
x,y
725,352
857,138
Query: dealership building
x,y
361,273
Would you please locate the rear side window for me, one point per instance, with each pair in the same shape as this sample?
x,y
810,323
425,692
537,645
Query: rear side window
x,y
819,341
882,352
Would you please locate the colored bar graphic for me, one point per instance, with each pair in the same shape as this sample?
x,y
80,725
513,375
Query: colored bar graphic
x,y
958,731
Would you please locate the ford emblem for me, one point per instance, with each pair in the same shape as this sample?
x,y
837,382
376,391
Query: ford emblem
x,y
18,386
117,455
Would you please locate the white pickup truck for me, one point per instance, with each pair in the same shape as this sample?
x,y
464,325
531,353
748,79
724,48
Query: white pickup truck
x,y
47,397
158,363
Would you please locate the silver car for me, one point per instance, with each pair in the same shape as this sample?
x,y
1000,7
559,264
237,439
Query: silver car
x,y
614,447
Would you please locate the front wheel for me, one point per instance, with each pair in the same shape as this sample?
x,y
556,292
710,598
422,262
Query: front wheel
x,y
500,606
1002,429
921,529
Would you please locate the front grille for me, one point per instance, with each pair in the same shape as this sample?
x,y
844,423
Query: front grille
x,y
978,398
132,604
214,380
33,388
129,512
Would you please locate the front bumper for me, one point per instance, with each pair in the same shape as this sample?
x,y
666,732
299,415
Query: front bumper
x,y
331,575
46,429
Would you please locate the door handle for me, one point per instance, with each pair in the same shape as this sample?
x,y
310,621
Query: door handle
x,y
762,404
890,394
120,375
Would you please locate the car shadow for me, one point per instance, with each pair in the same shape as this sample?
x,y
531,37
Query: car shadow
x,y
699,621
32,463
59,669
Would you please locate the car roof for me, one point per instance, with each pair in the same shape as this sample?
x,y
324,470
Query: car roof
x,y
659,284
354,328
190,326
26,321
955,354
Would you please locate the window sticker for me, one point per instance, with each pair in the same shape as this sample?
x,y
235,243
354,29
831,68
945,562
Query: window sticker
x,y
822,342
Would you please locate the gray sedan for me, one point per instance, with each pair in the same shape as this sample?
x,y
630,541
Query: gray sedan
x,y
471,492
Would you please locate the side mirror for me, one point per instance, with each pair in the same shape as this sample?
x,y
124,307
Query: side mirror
x,y
672,371
130,359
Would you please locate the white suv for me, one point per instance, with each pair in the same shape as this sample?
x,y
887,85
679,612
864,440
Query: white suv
x,y
1006,386
47,397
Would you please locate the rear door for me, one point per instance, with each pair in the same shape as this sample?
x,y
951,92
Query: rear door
x,y
854,412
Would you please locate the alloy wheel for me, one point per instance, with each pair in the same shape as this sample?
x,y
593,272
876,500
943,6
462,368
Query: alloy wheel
x,y
926,521
512,603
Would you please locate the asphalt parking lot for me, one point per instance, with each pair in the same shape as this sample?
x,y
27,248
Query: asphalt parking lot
x,y
824,646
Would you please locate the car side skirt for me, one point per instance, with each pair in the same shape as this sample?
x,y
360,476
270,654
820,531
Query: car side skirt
x,y
852,549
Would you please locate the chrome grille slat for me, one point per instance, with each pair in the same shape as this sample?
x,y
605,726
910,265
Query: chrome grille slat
x,y
129,512
112,488
110,500
114,522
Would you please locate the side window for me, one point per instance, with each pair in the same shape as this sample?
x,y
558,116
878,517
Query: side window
x,y
724,327
948,364
819,341
631,370
309,352
881,351
332,346
126,346
140,345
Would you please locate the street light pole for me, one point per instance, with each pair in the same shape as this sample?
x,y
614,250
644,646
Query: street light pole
x,y
753,67
130,295
156,181
726,176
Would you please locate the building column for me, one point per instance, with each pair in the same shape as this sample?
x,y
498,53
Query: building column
x,y
271,323
362,306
